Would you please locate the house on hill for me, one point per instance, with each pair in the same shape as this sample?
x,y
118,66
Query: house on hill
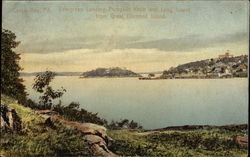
x,y
226,55
241,68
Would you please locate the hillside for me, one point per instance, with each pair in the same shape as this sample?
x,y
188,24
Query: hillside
x,y
110,72
37,138
211,68
65,138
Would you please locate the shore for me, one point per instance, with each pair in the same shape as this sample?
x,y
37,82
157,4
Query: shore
x,y
158,78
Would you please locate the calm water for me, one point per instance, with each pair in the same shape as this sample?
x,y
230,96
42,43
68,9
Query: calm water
x,y
158,103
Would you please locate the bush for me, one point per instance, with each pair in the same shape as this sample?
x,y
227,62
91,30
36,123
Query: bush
x,y
74,113
124,124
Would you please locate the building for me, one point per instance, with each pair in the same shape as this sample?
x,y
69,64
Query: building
x,y
226,55
241,68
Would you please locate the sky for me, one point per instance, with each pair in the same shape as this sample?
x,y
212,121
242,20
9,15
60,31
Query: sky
x,y
72,36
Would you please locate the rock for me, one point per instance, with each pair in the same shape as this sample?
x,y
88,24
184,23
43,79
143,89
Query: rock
x,y
46,112
4,127
47,115
95,135
98,146
242,141
10,121
16,121
10,117
93,139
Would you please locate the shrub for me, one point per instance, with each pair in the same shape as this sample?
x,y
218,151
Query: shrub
x,y
125,123
74,113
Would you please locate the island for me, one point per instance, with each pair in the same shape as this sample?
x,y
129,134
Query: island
x,y
109,72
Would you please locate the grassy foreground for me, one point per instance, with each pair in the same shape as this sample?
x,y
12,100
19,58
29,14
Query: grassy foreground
x,y
37,139
196,143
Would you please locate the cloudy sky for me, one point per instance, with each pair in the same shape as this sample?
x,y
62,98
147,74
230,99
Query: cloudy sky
x,y
67,36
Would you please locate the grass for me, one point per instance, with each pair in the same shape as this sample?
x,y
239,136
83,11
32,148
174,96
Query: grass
x,y
198,143
37,139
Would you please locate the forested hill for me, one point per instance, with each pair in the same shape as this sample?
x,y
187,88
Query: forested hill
x,y
110,72
231,66
209,62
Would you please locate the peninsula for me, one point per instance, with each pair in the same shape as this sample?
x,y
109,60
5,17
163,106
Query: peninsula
x,y
225,66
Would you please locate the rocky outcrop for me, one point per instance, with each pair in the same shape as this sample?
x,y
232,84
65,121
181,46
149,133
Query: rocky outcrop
x,y
241,141
95,135
10,122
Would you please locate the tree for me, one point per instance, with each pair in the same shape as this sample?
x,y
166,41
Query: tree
x,y
42,85
123,123
133,125
151,75
11,83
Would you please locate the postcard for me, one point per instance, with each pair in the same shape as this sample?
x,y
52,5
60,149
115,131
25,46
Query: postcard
x,y
124,78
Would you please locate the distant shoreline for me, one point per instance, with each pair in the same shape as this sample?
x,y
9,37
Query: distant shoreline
x,y
109,77
184,78
140,79
198,127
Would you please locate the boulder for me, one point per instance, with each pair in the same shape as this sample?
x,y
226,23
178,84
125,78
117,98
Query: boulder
x,y
16,121
10,121
98,146
242,141
95,135
4,126
46,112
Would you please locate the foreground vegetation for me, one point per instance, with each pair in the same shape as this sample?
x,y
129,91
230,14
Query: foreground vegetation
x,y
211,142
37,139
